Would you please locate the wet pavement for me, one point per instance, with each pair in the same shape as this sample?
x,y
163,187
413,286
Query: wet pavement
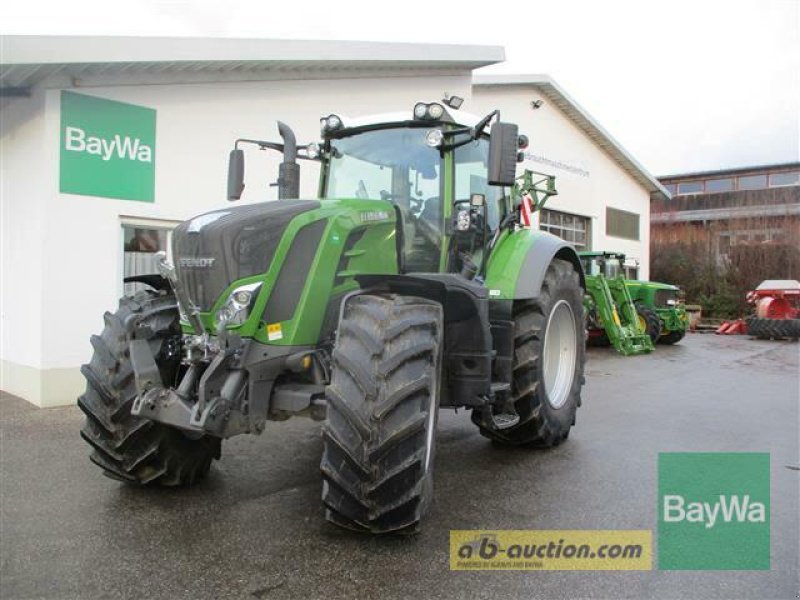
x,y
255,528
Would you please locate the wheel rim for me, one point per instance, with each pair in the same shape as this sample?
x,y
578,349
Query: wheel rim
x,y
560,352
642,324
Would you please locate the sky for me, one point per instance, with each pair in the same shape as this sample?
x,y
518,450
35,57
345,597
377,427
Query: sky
x,y
684,85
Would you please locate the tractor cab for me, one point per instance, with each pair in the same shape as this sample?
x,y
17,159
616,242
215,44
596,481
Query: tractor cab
x,y
433,164
608,264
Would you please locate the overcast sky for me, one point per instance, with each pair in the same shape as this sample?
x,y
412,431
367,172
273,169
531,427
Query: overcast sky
x,y
683,85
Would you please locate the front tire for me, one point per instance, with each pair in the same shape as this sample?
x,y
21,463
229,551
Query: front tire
x,y
547,378
673,337
128,448
383,401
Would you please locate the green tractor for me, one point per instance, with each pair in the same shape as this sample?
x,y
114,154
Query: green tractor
x,y
409,285
612,317
662,300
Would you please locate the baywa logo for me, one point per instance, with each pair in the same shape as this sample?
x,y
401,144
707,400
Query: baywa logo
x,y
125,148
728,508
107,148
713,511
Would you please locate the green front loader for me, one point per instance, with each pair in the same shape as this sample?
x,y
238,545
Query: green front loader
x,y
612,317
407,286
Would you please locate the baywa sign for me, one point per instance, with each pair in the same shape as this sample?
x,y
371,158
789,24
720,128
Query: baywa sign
x,y
108,148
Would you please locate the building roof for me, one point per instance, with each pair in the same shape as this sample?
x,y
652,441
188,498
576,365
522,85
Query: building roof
x,y
584,121
26,61
733,171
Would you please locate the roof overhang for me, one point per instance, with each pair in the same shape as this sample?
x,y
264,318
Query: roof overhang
x,y
26,61
583,120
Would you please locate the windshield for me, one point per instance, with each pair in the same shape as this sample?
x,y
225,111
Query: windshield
x,y
387,162
395,165
601,265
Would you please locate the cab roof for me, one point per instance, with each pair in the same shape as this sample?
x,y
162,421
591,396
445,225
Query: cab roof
x,y
406,118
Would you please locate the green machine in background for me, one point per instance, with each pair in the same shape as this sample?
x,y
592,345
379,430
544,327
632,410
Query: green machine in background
x,y
664,300
413,281
612,317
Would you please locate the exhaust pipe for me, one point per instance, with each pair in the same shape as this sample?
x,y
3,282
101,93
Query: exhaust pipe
x,y
288,170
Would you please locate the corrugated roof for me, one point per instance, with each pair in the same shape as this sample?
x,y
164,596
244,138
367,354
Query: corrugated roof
x,y
26,61
789,166
583,120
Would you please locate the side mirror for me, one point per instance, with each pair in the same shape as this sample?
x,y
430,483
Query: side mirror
x,y
503,147
235,174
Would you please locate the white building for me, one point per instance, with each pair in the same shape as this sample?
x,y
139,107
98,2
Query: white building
x,y
71,231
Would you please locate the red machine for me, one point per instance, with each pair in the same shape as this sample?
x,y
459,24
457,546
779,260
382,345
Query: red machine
x,y
777,305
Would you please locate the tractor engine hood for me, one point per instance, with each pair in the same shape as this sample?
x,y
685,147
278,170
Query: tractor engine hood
x,y
216,248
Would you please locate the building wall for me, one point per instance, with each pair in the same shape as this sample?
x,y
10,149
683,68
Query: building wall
x,y
726,219
62,254
23,165
588,180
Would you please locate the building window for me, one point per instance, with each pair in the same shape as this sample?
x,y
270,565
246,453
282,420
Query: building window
x,y
140,244
631,271
753,182
572,228
719,185
622,224
672,188
690,187
781,179
724,244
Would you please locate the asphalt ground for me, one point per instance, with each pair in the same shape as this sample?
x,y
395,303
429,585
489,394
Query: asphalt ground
x,y
255,527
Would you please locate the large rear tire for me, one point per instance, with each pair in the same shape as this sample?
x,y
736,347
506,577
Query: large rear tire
x,y
546,414
765,329
127,448
383,401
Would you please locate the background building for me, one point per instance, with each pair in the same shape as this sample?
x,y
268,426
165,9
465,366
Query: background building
x,y
725,231
107,143
730,207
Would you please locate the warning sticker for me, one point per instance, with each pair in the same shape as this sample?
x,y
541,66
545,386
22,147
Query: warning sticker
x,y
274,332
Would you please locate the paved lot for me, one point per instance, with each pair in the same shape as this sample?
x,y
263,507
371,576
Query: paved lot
x,y
255,528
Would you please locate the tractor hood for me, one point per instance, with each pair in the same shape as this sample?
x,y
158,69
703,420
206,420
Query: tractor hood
x,y
652,284
214,249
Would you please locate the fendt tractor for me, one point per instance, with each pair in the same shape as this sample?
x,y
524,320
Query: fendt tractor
x,y
410,284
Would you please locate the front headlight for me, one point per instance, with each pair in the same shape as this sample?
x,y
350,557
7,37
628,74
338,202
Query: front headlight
x,y
237,307
434,138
